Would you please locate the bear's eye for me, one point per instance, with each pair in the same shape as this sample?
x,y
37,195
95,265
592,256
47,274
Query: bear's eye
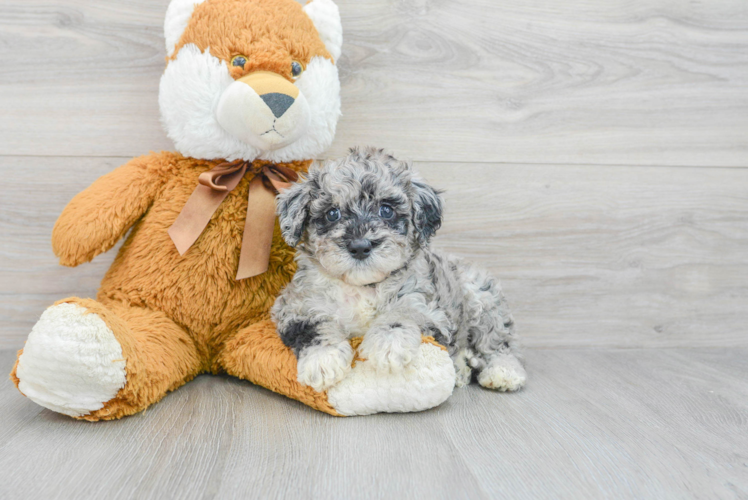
x,y
386,212
333,214
238,61
296,69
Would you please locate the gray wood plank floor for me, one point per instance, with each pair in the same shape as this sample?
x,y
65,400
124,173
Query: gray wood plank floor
x,y
665,423
589,255
594,158
609,82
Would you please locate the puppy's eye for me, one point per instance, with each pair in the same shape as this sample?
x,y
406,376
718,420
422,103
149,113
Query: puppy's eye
x,y
296,69
386,212
238,61
333,214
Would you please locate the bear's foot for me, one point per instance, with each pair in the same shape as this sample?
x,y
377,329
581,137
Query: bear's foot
x,y
426,382
257,354
503,373
71,363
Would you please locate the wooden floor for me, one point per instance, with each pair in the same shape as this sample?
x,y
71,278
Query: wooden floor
x,y
594,157
610,423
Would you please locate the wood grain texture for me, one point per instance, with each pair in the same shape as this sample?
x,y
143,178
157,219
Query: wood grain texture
x,y
540,119
670,423
588,255
615,82
607,256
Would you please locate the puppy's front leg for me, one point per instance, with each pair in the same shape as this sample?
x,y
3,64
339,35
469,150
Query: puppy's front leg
x,y
323,352
391,343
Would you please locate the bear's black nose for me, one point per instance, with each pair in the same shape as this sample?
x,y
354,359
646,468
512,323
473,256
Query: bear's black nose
x,y
359,248
277,102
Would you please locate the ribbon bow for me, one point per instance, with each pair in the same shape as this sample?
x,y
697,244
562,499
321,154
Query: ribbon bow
x,y
213,188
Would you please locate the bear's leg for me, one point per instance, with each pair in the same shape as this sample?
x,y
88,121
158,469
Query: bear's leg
x,y
99,362
257,354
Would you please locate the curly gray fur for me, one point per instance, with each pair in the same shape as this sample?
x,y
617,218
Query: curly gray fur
x,y
399,290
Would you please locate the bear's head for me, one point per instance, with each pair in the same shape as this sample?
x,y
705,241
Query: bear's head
x,y
251,79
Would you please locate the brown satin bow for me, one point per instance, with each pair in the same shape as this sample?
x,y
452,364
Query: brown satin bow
x,y
213,188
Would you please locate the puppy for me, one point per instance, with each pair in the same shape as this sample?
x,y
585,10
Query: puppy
x,y
361,226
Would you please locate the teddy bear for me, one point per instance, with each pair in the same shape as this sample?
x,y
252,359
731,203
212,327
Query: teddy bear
x,y
250,95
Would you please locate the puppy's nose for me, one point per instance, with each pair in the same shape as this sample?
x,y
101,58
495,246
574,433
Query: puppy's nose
x,y
359,248
277,102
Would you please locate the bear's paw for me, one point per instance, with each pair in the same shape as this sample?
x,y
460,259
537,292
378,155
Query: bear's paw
x,y
72,363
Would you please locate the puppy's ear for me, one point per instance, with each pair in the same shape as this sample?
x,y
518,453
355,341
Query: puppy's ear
x,y
293,211
427,211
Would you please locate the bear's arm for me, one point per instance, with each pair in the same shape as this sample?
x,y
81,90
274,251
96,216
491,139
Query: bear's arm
x,y
98,217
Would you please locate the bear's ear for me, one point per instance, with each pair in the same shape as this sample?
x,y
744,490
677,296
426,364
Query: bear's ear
x,y
326,18
177,18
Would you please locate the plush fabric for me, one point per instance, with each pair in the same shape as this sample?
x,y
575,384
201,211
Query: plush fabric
x,y
77,353
270,34
161,318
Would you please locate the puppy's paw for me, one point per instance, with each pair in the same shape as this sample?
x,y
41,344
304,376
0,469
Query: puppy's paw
x,y
463,370
322,366
503,373
391,348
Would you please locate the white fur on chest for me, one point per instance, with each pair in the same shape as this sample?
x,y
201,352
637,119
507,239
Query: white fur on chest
x,y
358,307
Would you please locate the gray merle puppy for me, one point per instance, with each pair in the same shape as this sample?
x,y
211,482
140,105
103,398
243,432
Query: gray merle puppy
x,y
361,226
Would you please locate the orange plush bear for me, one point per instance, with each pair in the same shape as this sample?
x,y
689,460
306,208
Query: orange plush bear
x,y
249,95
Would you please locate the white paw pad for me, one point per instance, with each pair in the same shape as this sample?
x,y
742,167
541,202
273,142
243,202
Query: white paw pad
x,y
503,373
321,367
71,363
